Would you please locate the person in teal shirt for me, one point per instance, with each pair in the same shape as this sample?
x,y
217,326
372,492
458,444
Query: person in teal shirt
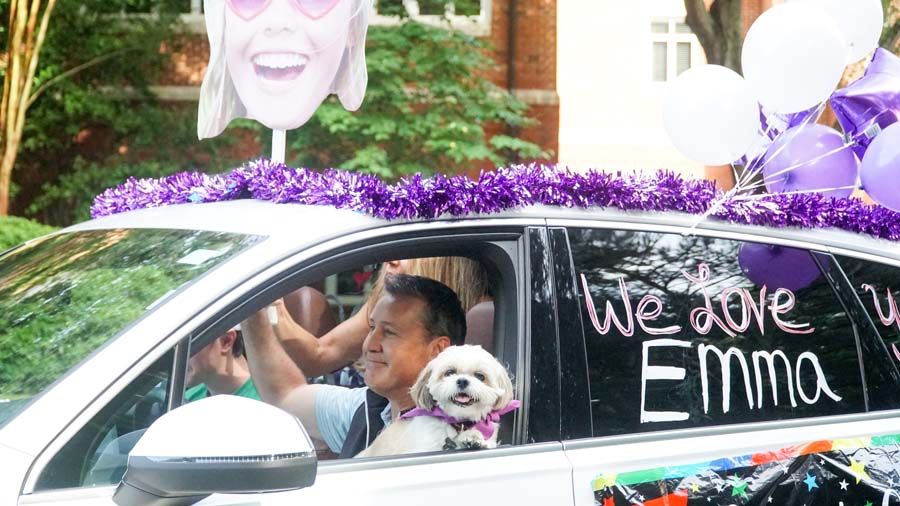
x,y
220,368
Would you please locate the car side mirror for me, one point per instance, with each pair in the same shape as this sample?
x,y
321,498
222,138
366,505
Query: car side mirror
x,y
220,444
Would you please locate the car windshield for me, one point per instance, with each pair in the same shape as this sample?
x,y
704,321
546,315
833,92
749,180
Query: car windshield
x,y
64,296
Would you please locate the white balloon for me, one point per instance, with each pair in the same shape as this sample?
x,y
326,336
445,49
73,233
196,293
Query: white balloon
x,y
860,21
793,57
711,115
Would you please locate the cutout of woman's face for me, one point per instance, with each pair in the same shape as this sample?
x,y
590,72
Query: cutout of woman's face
x,y
282,62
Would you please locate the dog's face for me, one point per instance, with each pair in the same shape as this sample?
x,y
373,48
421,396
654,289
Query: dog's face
x,y
465,381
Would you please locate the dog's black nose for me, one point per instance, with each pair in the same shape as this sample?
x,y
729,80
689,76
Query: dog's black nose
x,y
462,382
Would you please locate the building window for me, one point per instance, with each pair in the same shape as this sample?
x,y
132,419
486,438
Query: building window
x,y
470,16
675,48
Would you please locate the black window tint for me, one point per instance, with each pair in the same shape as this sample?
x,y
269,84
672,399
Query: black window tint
x,y
877,286
646,356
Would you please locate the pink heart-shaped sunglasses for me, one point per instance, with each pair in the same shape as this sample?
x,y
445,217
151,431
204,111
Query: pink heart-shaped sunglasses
x,y
313,9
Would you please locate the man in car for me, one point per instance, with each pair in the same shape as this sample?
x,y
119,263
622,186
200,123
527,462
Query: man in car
x,y
220,368
415,319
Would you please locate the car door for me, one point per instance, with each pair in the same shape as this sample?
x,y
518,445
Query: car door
x,y
719,371
532,469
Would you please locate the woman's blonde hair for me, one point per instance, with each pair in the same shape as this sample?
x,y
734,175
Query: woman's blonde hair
x,y
466,277
219,101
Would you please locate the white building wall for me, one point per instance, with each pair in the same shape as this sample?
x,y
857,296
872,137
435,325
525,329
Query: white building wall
x,y
610,108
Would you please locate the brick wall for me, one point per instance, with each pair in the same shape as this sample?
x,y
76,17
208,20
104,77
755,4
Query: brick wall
x,y
534,63
750,10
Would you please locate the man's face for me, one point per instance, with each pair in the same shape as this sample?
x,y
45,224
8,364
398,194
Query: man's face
x,y
398,346
203,365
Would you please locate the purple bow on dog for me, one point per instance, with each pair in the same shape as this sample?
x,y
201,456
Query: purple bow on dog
x,y
484,426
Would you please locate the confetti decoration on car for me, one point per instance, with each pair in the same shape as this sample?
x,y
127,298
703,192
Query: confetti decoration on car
x,y
849,472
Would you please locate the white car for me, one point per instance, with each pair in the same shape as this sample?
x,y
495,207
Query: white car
x,y
659,359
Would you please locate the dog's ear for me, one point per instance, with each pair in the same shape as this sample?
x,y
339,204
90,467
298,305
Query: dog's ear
x,y
419,391
504,387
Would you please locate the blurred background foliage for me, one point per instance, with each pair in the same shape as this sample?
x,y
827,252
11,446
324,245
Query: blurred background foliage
x,y
428,108
15,230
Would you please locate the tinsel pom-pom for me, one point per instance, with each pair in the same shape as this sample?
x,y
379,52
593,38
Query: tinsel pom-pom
x,y
416,196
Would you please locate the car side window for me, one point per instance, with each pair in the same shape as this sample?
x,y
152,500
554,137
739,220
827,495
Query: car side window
x,y
98,453
686,331
877,286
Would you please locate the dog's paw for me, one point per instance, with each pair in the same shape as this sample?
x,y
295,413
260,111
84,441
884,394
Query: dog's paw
x,y
449,444
470,440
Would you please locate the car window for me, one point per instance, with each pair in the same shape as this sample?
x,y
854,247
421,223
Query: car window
x,y
341,298
686,331
877,285
98,453
66,295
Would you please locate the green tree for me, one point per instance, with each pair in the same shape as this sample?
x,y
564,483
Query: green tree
x,y
720,29
15,231
27,23
428,108
91,108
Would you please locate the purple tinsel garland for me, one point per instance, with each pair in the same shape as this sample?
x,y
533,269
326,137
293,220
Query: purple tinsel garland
x,y
506,188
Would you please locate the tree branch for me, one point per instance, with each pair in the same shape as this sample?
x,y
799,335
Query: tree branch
x,y
72,71
703,26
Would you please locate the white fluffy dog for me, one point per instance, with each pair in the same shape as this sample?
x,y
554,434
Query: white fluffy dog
x,y
459,398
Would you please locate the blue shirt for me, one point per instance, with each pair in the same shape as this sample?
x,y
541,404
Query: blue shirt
x,y
335,407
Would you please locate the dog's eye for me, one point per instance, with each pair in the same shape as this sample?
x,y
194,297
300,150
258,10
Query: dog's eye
x,y
479,376
449,372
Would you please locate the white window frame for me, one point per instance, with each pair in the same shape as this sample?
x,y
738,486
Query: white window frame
x,y
671,38
478,25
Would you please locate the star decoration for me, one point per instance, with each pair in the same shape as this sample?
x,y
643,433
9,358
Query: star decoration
x,y
810,482
695,487
868,503
859,470
843,484
605,481
770,498
739,487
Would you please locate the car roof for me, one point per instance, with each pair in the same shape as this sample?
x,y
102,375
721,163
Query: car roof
x,y
320,222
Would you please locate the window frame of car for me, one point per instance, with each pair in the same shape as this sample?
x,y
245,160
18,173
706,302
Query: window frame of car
x,y
491,242
574,434
223,310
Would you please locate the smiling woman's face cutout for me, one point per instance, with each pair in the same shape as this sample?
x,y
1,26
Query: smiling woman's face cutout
x,y
283,55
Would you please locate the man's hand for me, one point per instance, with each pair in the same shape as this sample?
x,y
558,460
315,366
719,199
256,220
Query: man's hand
x,y
277,378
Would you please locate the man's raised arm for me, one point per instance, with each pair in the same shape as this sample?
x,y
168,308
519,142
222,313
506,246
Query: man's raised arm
x,y
277,378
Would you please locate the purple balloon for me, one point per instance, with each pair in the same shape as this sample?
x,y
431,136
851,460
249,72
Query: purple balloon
x,y
810,158
777,266
871,103
880,168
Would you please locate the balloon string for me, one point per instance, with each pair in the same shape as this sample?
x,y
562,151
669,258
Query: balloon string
x,y
714,205
754,169
743,182
757,196
797,166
